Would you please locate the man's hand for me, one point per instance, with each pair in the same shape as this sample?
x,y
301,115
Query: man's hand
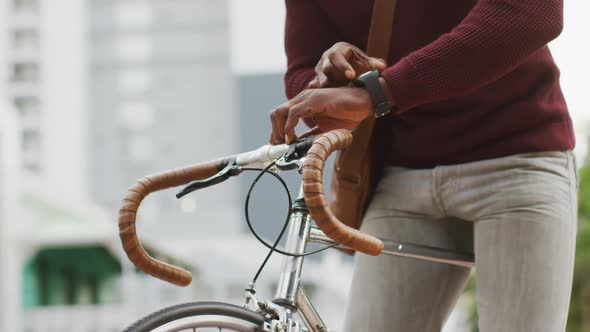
x,y
342,63
330,108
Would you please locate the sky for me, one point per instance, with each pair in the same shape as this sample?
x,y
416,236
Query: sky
x,y
257,38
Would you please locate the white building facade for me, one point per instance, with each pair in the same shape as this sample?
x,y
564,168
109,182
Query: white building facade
x,y
10,171
109,91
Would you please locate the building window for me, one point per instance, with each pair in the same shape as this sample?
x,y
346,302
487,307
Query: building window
x,y
26,39
27,105
32,165
25,72
134,14
137,114
26,5
29,110
31,149
135,80
134,47
31,140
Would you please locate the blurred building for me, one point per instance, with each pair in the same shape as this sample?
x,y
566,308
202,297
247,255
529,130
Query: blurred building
x,y
24,56
106,92
161,96
258,95
109,91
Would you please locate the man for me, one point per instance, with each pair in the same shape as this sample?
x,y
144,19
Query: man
x,y
480,156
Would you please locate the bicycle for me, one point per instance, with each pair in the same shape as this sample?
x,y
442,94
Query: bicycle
x,y
308,156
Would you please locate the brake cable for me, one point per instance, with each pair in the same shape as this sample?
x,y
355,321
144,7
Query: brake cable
x,y
232,169
273,247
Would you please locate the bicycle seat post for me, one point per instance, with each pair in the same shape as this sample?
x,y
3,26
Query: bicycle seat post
x,y
297,236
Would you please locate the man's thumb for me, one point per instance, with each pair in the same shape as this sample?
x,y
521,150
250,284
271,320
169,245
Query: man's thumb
x,y
378,63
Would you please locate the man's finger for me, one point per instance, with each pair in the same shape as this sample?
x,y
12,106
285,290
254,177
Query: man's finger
x,y
323,81
271,139
315,83
334,76
318,68
376,63
363,63
278,116
292,120
312,132
328,72
341,65
275,137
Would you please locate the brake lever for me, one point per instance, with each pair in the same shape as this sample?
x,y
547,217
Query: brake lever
x,y
285,163
221,176
292,159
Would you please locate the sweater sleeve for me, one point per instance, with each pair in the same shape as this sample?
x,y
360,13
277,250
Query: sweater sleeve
x,y
493,39
307,36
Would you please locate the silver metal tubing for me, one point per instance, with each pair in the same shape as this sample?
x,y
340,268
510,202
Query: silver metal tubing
x,y
406,249
316,235
433,254
309,315
297,235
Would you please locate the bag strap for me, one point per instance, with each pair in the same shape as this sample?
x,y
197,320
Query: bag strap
x,y
378,45
381,29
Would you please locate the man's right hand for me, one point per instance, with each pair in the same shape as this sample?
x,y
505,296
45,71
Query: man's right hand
x,y
341,64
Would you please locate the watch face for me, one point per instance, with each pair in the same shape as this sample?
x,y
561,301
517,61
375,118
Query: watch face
x,y
382,109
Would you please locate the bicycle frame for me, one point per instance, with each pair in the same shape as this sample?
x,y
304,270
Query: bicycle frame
x,y
290,297
290,294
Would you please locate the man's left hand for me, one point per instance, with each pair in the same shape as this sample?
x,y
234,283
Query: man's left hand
x,y
330,108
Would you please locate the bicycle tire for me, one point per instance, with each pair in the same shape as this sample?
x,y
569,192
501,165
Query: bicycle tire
x,y
231,317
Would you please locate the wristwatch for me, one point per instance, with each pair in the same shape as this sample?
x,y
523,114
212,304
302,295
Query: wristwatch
x,y
370,82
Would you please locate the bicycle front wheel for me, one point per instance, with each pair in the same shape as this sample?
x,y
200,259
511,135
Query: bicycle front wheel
x,y
201,316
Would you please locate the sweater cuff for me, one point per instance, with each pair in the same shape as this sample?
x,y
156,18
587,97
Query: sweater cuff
x,y
404,85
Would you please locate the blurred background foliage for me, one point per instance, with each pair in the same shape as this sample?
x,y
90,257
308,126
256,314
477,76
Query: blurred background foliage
x,y
579,314
579,317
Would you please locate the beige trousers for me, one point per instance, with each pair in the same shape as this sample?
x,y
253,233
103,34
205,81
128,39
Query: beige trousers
x,y
517,214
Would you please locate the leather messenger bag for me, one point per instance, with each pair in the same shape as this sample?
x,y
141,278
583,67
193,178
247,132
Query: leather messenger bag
x,y
356,169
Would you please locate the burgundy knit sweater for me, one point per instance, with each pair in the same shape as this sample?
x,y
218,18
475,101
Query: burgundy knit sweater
x,y
472,79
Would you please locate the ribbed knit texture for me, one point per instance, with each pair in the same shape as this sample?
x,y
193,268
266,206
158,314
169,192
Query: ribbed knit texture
x,y
494,38
472,79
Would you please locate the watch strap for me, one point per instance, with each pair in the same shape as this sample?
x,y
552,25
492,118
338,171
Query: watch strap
x,y
370,82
